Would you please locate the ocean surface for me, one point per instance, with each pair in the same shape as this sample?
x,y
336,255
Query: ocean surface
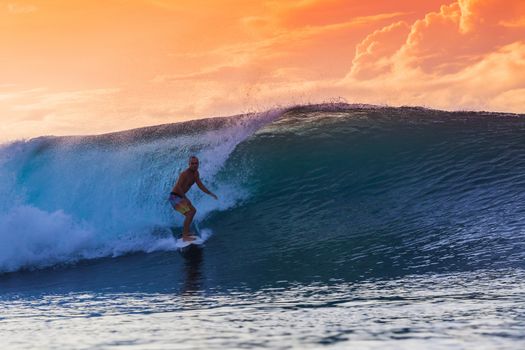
x,y
337,226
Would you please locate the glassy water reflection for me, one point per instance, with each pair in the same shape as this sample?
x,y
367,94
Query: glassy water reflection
x,y
483,309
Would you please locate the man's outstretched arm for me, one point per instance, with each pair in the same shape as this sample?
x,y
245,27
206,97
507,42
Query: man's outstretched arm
x,y
203,188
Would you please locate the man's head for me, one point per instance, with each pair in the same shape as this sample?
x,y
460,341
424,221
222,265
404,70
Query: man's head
x,y
193,163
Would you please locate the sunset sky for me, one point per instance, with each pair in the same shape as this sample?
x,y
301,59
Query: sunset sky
x,y
86,67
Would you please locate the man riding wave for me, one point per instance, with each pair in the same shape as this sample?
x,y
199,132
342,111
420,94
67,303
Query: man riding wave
x,y
178,198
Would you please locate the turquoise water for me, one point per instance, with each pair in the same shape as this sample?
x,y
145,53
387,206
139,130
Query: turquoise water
x,y
337,226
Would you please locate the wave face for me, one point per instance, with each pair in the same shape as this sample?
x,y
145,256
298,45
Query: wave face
x,y
329,189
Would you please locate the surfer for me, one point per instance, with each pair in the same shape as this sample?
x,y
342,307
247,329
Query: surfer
x,y
178,198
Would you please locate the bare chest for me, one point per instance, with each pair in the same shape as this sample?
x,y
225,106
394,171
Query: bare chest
x,y
186,180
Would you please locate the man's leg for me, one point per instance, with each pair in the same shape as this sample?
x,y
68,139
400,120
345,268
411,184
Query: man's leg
x,y
187,222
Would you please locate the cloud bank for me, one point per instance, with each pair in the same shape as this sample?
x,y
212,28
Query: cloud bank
x,y
166,61
466,56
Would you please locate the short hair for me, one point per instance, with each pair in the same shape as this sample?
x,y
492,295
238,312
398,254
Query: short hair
x,y
192,157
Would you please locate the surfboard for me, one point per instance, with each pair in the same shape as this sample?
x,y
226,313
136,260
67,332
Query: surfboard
x,y
190,249
186,248
180,243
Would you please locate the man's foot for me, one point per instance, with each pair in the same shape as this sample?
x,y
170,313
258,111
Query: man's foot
x,y
186,237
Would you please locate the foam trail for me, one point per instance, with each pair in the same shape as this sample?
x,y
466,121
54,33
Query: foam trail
x,y
30,236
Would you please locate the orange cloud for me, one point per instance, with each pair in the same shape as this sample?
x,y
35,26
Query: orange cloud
x,y
487,15
447,41
372,54
465,56
486,84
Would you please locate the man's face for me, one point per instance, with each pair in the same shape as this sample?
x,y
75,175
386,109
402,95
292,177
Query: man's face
x,y
194,164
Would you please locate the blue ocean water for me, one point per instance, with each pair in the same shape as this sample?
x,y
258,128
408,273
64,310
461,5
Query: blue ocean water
x,y
337,226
